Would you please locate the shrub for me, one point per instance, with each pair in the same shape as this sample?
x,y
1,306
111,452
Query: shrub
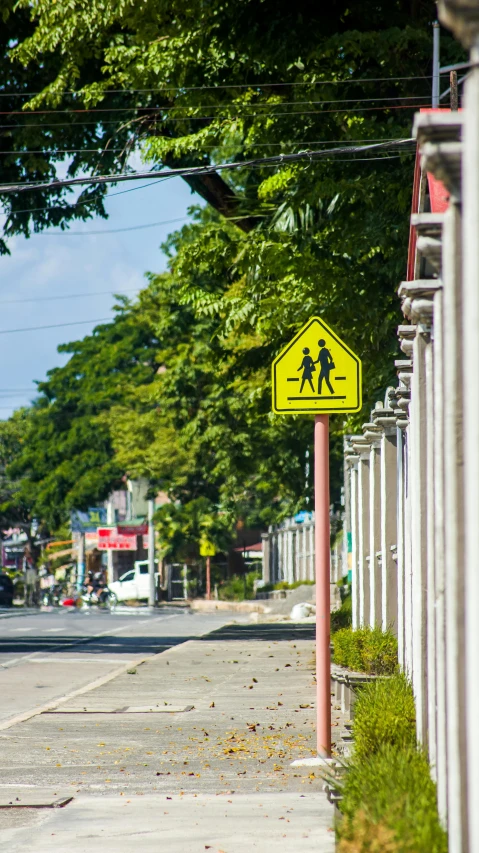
x,y
343,617
238,587
270,587
384,714
366,650
390,799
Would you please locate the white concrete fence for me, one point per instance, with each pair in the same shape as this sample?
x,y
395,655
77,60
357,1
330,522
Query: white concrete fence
x,y
412,474
288,553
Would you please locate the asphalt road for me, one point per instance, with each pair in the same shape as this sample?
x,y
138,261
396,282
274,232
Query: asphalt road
x,y
48,655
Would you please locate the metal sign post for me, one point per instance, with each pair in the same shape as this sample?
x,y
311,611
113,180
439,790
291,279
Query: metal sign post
x,y
151,554
322,575
208,550
317,373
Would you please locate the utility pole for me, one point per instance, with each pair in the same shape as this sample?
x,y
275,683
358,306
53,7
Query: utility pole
x,y
81,560
208,578
110,520
435,63
454,92
151,554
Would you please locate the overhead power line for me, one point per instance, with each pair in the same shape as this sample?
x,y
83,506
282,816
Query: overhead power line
x,y
112,230
275,159
46,125
155,112
62,296
201,117
79,203
296,142
55,326
230,106
57,151
265,84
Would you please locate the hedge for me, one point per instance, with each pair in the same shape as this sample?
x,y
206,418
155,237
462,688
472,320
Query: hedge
x,y
369,650
389,805
384,714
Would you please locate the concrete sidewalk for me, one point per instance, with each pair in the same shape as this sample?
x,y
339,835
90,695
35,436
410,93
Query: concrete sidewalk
x,y
190,751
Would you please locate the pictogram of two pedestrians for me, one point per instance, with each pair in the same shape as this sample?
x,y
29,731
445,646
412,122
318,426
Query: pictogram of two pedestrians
x,y
308,366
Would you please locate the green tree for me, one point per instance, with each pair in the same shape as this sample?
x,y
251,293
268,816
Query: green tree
x,y
196,85
15,508
240,80
206,84
203,428
67,460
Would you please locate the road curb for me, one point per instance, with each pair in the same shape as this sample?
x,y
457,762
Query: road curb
x,y
12,612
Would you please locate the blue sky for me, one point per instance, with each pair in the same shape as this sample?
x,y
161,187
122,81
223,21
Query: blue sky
x,y
55,265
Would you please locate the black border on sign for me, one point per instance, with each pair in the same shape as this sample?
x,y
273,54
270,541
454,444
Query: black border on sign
x,y
316,409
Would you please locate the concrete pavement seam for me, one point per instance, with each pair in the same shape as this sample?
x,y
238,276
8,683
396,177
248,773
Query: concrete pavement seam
x,y
99,682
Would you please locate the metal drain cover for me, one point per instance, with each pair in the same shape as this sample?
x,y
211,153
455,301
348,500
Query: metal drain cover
x,y
32,802
127,709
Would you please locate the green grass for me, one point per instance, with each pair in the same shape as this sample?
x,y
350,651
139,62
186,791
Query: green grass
x,y
368,650
384,714
343,617
389,805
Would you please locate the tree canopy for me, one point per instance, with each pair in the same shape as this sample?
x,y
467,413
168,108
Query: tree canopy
x,y
178,387
194,85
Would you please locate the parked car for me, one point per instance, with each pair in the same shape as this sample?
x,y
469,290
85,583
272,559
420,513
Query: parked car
x,y
6,591
134,585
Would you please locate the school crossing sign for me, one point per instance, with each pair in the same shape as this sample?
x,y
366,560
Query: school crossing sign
x,y
316,373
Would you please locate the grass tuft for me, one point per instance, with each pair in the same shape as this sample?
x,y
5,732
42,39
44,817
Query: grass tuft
x,y
369,650
390,799
384,714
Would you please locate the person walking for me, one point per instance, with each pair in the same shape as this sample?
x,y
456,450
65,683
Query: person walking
x,y
307,366
325,359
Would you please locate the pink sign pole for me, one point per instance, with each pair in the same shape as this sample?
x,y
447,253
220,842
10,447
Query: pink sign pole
x,y
322,572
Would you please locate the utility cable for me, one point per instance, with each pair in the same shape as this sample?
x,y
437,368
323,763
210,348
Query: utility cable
x,y
296,142
63,151
214,87
155,112
104,123
276,159
230,106
83,295
55,326
112,230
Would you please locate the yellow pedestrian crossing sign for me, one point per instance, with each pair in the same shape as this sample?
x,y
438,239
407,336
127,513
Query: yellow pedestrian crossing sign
x,y
316,373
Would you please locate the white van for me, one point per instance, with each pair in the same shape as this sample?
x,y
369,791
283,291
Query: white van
x,y
134,584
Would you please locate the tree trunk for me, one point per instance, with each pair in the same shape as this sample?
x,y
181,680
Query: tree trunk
x,y
216,192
